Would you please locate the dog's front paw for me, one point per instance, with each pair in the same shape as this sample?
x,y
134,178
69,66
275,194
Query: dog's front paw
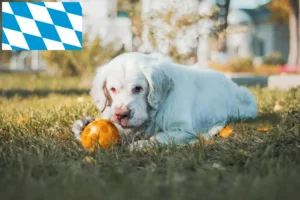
x,y
141,145
79,125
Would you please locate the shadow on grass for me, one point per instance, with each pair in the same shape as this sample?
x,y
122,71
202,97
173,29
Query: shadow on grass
x,y
270,118
261,81
41,92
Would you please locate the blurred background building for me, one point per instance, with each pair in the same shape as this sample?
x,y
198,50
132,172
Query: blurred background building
x,y
249,32
102,18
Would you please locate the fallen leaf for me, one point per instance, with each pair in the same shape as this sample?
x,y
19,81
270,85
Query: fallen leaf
x,y
150,150
89,159
22,120
277,107
263,129
225,132
68,101
205,141
80,99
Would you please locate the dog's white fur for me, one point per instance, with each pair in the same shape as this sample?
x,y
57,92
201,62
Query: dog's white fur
x,y
177,102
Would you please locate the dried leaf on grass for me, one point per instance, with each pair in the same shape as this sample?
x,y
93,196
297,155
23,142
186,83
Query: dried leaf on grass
x,y
264,129
226,132
205,141
277,106
89,159
22,120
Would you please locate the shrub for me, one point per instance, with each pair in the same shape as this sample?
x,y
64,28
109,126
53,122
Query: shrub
x,y
274,58
5,58
74,63
241,64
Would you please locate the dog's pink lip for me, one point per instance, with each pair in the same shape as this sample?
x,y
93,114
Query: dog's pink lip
x,y
124,123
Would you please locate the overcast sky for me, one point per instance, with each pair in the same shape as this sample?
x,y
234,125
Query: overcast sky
x,y
247,3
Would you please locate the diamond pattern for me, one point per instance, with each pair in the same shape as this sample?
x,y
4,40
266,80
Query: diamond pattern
x,y
20,9
60,18
41,26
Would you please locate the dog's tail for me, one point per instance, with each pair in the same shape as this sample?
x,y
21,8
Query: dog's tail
x,y
247,106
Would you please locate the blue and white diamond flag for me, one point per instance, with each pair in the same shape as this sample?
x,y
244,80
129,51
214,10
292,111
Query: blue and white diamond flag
x,y
41,26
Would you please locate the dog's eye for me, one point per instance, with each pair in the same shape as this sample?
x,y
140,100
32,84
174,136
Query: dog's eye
x,y
137,89
113,89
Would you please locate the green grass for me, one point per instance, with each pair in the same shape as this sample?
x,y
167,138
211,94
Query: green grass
x,y
40,159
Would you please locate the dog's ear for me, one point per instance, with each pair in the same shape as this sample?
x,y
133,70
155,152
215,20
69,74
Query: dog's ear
x,y
100,95
159,85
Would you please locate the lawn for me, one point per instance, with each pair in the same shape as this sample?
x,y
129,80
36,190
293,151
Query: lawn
x,y
40,159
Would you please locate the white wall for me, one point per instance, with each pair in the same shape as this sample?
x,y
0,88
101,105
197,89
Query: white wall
x,y
239,43
265,32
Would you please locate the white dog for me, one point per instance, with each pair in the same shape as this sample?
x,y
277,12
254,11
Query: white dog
x,y
151,95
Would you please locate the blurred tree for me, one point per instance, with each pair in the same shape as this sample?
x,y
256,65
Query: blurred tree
x,y
172,25
132,7
288,11
222,23
74,63
164,27
280,10
294,19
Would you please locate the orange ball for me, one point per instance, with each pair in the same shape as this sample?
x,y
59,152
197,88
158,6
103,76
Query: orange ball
x,y
102,132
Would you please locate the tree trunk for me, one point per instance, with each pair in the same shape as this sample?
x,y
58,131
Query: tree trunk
x,y
298,62
294,32
224,7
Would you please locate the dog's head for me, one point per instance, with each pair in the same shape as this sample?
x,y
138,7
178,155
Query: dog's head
x,y
132,84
